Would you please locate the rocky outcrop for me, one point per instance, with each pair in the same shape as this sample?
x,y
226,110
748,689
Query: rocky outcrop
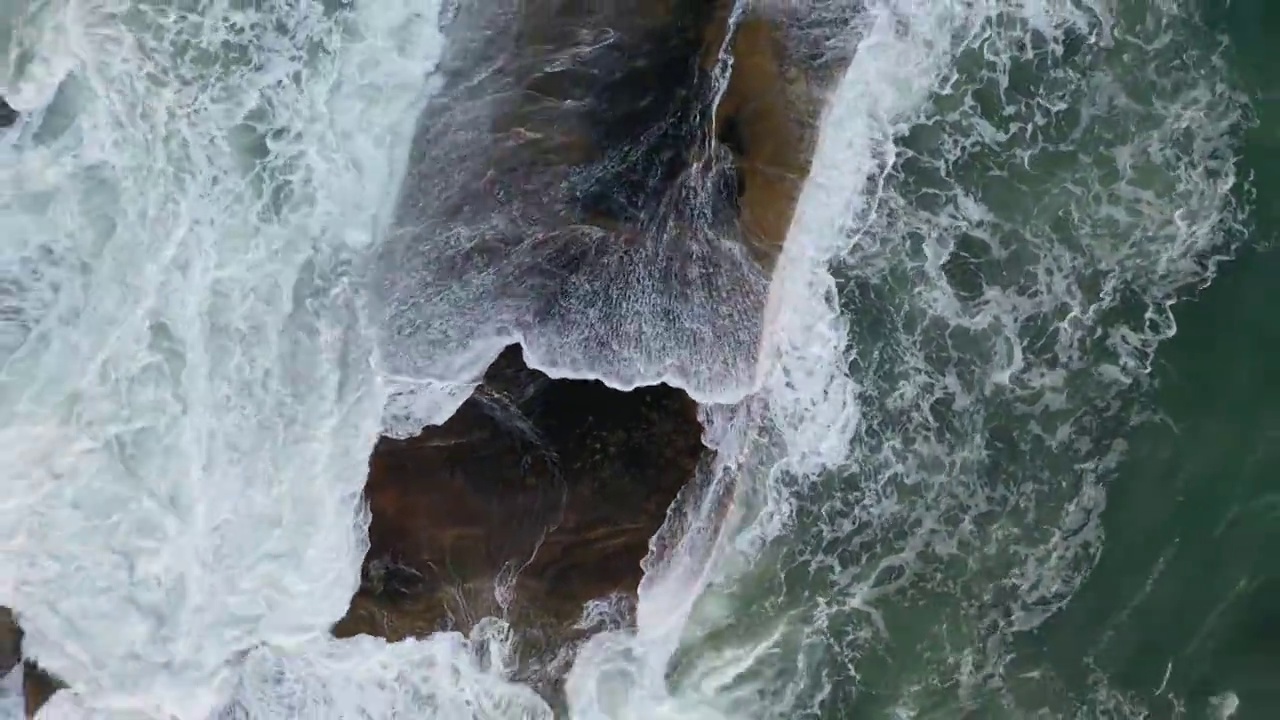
x,y
587,165
535,497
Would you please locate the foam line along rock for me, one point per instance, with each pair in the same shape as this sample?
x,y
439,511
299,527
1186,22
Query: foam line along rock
x,y
538,496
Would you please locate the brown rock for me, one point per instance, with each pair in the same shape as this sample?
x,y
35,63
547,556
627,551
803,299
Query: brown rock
x,y
600,190
37,685
537,496
600,114
10,641
766,120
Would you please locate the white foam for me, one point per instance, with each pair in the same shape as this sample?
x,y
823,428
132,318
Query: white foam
x,y
187,400
11,700
1225,705
478,263
973,496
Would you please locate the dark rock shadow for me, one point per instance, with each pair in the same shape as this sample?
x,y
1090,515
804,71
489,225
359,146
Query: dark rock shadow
x,y
537,496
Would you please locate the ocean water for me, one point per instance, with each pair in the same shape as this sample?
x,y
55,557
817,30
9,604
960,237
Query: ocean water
x,y
1007,455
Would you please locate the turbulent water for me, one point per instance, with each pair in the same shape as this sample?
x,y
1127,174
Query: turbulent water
x,y
1008,204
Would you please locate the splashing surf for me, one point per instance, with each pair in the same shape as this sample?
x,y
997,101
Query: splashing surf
x,y
1005,201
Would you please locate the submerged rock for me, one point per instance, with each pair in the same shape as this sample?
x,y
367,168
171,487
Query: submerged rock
x,y
8,116
535,497
599,182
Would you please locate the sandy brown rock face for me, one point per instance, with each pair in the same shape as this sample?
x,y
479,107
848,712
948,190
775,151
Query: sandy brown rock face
x,y
767,121
37,687
538,495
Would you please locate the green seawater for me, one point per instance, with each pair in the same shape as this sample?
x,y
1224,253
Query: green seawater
x,y
1183,609
1063,499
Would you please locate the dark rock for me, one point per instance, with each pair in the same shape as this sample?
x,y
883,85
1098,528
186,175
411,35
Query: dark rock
x,y
767,122
605,201
535,497
10,642
8,116
37,685
646,105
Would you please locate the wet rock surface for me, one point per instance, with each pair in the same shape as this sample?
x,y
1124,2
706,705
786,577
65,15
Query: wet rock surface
x,y
616,177
535,497
762,122
608,184
10,642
